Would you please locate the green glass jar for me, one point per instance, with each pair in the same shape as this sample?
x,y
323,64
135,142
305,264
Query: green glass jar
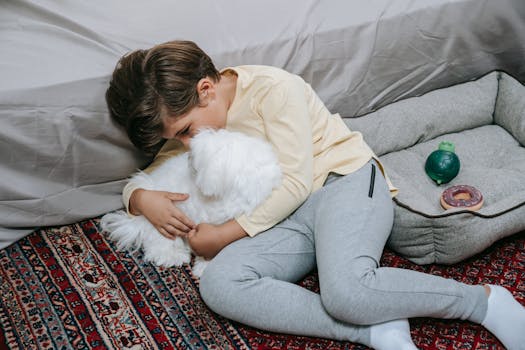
x,y
443,164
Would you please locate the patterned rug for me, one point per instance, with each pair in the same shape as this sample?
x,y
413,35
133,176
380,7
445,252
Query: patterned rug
x,y
68,288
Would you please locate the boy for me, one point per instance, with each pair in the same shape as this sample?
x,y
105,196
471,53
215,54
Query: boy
x,y
333,209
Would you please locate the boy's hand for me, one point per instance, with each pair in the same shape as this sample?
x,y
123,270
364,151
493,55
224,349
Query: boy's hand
x,y
207,240
160,210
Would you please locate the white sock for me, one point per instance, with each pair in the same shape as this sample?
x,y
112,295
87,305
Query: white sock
x,y
505,318
392,335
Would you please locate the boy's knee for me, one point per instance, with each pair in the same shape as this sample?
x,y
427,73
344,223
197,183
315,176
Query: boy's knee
x,y
347,302
212,287
218,287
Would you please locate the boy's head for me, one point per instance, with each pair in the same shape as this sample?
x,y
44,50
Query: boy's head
x,y
149,84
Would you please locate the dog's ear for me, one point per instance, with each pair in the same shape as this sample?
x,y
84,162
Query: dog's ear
x,y
260,172
229,163
210,158
235,164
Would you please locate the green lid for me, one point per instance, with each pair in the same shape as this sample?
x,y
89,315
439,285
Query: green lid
x,y
447,146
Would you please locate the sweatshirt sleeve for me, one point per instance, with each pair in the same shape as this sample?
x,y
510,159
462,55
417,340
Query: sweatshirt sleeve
x,y
170,149
284,111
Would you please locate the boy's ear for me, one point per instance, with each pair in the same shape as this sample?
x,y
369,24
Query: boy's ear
x,y
205,87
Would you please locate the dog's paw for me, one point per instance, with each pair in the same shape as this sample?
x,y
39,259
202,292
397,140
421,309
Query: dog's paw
x,y
169,260
198,266
166,252
122,229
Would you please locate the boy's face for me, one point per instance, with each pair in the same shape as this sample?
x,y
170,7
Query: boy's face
x,y
211,113
184,127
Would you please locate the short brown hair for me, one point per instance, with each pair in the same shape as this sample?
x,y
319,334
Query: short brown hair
x,y
148,83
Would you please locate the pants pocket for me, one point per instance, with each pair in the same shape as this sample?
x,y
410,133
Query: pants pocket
x,y
372,181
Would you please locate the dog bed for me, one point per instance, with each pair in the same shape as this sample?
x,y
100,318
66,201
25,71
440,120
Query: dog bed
x,y
485,119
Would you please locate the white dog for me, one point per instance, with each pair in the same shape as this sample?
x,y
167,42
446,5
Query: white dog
x,y
226,174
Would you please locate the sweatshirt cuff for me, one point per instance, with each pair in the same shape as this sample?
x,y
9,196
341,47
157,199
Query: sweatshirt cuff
x,y
126,195
249,227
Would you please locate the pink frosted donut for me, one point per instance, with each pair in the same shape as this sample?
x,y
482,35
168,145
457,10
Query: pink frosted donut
x,y
462,196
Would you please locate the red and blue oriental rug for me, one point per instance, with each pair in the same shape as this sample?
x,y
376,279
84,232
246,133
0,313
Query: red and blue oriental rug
x,y
69,288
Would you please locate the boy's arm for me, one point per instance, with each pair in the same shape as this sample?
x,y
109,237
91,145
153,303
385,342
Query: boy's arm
x,y
288,127
170,149
207,240
159,207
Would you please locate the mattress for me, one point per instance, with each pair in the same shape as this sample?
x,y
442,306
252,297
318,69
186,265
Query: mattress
x,y
62,160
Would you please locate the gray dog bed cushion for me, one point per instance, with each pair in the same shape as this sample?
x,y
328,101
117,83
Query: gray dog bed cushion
x,y
485,119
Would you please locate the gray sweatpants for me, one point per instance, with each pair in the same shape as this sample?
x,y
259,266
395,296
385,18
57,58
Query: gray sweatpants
x,y
343,228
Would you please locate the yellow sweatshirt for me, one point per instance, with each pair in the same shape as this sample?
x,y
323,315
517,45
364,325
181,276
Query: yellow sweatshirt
x,y
309,141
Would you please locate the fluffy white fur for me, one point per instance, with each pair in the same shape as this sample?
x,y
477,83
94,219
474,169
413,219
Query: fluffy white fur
x,y
225,173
